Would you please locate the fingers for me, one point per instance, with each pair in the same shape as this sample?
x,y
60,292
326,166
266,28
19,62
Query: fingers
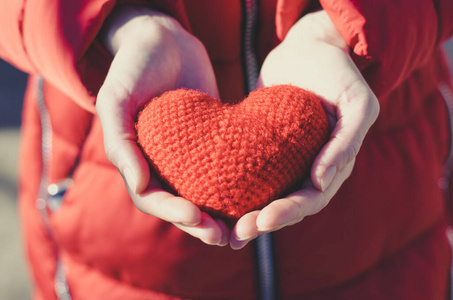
x,y
120,145
163,205
286,211
182,213
356,109
305,202
244,231
209,231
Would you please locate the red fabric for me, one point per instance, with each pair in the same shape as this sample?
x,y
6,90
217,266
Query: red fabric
x,y
12,46
233,159
390,39
414,272
67,55
386,219
288,12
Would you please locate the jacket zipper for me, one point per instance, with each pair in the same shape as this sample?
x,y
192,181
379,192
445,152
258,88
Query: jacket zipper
x,y
263,244
250,59
45,203
266,270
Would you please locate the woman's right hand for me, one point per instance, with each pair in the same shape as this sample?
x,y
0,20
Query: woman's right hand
x,y
152,54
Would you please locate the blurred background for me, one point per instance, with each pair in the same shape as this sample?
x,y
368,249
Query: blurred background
x,y
14,280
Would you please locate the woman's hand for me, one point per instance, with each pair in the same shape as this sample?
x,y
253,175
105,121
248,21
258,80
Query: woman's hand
x,y
315,57
152,54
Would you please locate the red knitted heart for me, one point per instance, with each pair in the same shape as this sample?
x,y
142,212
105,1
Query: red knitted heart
x,y
232,159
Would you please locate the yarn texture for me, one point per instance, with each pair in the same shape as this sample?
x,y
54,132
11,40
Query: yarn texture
x,y
230,159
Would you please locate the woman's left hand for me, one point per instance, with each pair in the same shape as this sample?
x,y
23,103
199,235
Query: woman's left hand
x,y
314,56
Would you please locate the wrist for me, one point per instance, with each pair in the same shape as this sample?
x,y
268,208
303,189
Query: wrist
x,y
316,27
136,25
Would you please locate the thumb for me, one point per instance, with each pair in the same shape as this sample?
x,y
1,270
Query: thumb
x,y
117,119
357,109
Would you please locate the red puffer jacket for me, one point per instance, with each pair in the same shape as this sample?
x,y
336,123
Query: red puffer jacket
x,y
383,235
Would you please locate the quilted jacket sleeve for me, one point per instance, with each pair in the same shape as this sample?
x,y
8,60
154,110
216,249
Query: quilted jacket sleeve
x,y
391,38
56,39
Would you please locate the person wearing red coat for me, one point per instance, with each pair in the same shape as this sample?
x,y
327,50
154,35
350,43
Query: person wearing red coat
x,y
368,224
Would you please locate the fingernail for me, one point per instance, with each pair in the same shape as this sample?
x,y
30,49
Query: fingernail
x,y
193,224
327,178
130,179
248,238
239,245
275,227
222,243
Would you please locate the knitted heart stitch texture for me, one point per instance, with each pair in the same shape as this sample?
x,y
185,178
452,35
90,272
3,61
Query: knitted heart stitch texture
x,y
232,159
